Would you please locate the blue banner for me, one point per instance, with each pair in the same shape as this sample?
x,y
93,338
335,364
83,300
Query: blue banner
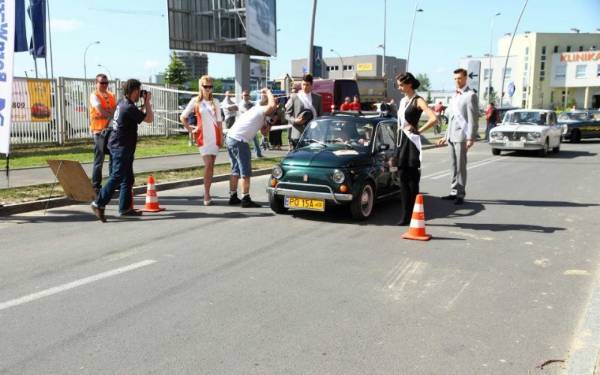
x,y
37,14
7,39
20,32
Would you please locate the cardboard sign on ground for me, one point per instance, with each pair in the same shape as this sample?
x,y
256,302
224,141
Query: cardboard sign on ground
x,y
73,180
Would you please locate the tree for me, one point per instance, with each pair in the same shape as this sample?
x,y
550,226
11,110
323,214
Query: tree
x,y
425,83
176,72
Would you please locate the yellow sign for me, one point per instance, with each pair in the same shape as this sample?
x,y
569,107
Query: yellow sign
x,y
40,100
365,67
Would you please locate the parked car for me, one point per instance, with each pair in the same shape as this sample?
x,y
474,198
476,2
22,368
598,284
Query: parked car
x,y
527,129
341,159
578,125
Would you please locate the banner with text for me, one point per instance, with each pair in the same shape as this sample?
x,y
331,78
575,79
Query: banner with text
x,y
7,44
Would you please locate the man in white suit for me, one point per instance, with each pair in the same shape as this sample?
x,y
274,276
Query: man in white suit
x,y
461,133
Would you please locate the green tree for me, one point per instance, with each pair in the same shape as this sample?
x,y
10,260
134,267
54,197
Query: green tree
x,y
176,72
425,83
429,99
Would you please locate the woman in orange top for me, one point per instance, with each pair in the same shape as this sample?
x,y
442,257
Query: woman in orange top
x,y
208,132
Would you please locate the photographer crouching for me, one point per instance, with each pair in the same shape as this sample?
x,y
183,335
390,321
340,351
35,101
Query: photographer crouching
x,y
122,143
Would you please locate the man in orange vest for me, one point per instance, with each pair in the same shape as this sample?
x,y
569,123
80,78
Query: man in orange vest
x,y
102,107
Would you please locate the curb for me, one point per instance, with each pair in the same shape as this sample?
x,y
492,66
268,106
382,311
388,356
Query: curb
x,y
61,202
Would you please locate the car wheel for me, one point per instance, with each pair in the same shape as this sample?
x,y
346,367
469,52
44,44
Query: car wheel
x,y
362,205
276,203
496,151
545,149
576,136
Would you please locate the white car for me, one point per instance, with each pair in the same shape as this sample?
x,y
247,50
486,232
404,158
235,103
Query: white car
x,y
527,129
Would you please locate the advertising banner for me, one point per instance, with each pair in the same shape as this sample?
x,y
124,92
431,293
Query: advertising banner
x,y
7,43
261,26
40,102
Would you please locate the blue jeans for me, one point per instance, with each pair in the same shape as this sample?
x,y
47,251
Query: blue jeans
x,y
240,156
257,147
121,176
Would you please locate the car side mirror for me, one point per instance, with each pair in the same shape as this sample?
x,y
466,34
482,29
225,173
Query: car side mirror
x,y
383,147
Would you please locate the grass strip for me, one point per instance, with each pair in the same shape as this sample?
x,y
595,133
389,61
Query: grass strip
x,y
42,191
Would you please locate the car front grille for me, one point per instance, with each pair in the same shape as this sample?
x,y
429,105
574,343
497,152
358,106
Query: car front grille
x,y
514,136
304,187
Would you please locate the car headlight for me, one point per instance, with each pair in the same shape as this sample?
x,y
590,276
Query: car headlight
x,y
565,128
496,135
533,136
338,176
277,172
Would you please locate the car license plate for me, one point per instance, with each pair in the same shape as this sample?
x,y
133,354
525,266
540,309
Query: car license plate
x,y
515,144
305,204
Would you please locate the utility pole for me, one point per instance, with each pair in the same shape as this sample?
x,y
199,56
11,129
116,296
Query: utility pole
x,y
508,52
312,38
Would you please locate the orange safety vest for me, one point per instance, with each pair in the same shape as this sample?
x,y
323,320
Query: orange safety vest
x,y
97,121
200,131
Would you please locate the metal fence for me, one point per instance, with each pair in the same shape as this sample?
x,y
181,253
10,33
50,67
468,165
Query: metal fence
x,y
70,111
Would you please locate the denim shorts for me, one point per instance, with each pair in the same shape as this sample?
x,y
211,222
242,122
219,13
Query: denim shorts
x,y
240,156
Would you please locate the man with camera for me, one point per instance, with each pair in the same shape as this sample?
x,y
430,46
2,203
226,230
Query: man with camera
x,y
302,108
122,142
102,107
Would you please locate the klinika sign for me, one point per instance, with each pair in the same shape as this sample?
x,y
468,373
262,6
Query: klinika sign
x,y
579,57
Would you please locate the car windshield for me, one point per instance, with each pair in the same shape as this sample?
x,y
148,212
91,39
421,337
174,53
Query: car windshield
x,y
526,117
579,116
356,133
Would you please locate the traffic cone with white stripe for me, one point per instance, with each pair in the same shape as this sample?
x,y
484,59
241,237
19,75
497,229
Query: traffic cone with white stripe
x,y
151,197
416,231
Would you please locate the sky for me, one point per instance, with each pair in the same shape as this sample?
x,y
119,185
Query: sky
x,y
134,41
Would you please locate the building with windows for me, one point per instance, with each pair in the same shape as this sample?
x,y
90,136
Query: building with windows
x,y
196,63
544,70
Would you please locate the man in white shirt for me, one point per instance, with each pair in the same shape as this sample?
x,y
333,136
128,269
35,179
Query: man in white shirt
x,y
238,138
244,106
230,110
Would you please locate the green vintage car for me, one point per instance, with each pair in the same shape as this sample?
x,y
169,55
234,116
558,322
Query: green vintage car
x,y
342,159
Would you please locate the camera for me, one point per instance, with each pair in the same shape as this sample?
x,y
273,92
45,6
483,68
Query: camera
x,y
143,93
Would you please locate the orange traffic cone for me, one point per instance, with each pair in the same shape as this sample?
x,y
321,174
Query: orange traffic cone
x,y
416,231
151,197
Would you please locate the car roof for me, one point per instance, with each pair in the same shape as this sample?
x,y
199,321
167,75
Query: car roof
x,y
531,110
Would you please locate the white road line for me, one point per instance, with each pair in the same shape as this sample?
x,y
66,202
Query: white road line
x,y
437,176
74,284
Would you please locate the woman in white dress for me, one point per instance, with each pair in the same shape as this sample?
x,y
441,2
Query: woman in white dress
x,y
208,132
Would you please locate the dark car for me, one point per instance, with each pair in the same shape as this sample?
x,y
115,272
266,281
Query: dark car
x,y
577,125
341,159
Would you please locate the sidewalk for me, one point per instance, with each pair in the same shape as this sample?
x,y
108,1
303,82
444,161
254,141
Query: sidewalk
x,y
44,175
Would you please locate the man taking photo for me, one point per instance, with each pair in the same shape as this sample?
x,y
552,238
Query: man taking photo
x,y
122,143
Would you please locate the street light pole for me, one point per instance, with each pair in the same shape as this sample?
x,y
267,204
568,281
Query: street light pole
x,y
312,38
110,76
412,28
490,57
341,60
508,52
84,59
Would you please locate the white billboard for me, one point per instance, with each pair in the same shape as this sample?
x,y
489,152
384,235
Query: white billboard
x,y
258,68
7,15
575,69
261,31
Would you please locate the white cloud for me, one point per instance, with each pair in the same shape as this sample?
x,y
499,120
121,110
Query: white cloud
x,y
62,25
151,64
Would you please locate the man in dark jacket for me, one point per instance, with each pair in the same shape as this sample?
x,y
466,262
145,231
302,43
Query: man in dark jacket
x,y
297,108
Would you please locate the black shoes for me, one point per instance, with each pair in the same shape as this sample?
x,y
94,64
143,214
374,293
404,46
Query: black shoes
x,y
449,197
233,200
131,212
459,201
98,212
249,203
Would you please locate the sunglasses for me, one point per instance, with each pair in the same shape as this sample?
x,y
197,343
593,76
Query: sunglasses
x,y
207,87
103,82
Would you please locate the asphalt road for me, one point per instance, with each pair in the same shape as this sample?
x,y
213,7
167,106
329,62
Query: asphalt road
x,y
507,283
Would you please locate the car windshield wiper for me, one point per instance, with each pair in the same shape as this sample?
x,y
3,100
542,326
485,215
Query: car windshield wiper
x,y
315,141
342,142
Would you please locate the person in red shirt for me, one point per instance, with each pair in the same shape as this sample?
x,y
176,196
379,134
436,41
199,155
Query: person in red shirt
x,y
346,105
355,105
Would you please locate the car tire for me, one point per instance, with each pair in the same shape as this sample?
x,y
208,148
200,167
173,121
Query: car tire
x,y
362,205
496,151
276,203
576,136
544,151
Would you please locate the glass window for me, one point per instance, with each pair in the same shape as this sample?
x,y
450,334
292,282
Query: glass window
x,y
555,49
560,71
543,58
486,73
598,71
580,71
542,66
568,48
526,51
388,135
507,73
580,48
543,50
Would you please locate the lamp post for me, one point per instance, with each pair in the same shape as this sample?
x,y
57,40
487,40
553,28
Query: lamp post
x,y
84,59
490,59
341,60
412,28
509,47
384,41
110,76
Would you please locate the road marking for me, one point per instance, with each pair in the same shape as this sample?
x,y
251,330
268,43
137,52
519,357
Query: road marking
x,y
472,166
74,284
464,287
